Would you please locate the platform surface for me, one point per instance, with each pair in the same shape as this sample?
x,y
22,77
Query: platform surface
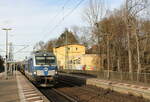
x,y
17,88
9,90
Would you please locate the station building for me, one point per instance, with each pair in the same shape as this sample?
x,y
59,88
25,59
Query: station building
x,y
73,56
66,52
85,62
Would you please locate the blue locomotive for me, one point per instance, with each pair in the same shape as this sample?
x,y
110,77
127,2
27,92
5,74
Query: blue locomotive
x,y
41,69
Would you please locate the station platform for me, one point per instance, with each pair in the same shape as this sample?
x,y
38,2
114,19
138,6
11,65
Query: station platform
x,y
8,89
17,88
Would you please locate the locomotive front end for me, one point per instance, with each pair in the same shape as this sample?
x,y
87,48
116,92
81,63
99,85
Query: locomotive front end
x,y
45,70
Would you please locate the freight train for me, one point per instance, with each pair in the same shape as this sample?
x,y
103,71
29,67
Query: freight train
x,y
41,69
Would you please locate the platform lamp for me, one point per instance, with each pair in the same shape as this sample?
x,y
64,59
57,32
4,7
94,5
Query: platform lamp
x,y
6,29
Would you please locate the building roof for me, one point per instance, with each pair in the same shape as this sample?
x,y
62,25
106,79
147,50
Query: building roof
x,y
69,45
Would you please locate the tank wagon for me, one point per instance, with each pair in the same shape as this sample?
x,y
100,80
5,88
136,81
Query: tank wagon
x,y
41,69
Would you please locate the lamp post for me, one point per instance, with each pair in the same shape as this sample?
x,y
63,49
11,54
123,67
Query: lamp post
x,y
6,29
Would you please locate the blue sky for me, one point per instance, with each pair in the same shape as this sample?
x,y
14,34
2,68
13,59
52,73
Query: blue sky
x,y
33,20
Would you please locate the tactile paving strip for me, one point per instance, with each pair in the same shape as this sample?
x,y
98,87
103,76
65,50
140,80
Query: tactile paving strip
x,y
26,92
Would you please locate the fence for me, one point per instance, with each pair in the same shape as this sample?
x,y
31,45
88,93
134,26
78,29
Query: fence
x,y
142,78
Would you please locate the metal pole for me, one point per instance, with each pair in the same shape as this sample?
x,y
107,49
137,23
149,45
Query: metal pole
x,y
65,52
6,51
108,59
6,54
99,50
15,68
66,49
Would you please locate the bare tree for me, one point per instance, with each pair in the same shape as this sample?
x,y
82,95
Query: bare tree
x,y
133,9
39,46
86,38
50,45
93,14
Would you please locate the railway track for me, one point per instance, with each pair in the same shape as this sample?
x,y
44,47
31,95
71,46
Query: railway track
x,y
84,93
56,96
72,91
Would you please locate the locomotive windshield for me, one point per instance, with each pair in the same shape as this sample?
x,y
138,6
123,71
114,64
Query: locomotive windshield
x,y
45,60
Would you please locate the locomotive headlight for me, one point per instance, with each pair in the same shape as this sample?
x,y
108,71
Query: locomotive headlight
x,y
35,72
56,72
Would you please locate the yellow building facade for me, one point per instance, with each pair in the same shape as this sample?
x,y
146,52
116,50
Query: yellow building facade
x,y
86,62
74,57
66,53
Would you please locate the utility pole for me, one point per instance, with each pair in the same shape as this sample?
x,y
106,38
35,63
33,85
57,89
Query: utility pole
x,y
138,54
66,50
10,57
6,29
108,57
108,50
99,49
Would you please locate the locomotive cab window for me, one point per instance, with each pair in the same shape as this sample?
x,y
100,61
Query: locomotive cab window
x,y
45,60
40,60
50,60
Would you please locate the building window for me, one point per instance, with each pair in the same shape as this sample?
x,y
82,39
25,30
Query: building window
x,y
68,48
74,62
76,49
78,61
